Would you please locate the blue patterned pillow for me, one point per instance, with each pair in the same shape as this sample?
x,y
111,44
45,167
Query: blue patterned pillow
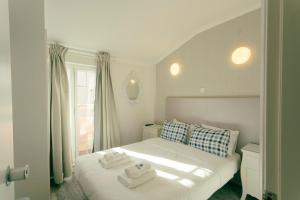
x,y
176,132
211,141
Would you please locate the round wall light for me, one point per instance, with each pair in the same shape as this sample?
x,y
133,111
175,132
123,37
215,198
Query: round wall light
x,y
174,69
241,55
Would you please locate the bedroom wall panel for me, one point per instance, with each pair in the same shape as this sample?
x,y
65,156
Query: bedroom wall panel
x,y
235,113
205,62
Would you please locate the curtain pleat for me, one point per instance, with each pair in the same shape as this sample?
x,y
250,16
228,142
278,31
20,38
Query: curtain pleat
x,y
61,161
105,118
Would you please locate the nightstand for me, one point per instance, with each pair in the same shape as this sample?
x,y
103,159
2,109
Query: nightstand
x,y
250,171
151,131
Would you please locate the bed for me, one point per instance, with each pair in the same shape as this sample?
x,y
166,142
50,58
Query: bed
x,y
183,173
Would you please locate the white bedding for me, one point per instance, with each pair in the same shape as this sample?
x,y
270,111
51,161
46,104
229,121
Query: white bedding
x,y
183,173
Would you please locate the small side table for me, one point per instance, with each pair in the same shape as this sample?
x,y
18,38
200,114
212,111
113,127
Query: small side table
x,y
151,131
250,171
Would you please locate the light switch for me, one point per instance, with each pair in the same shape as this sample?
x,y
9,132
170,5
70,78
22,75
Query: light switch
x,y
202,90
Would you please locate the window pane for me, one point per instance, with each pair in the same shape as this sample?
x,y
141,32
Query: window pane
x,y
70,72
82,95
85,95
81,77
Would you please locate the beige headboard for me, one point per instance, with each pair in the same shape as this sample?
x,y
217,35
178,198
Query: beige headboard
x,y
236,113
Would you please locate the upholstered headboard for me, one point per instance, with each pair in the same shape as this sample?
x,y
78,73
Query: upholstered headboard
x,y
236,113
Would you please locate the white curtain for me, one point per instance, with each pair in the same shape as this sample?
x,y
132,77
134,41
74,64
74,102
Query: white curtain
x,y
106,124
61,163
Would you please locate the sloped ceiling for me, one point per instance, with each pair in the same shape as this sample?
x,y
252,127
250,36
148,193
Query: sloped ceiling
x,y
139,31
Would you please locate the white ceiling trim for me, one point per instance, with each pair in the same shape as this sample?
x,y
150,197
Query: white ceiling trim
x,y
202,29
130,62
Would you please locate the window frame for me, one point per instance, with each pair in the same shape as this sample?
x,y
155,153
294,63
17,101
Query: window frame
x,y
73,68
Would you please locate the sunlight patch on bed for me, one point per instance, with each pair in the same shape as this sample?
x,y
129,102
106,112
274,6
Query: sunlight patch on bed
x,y
159,160
203,172
101,152
186,182
166,175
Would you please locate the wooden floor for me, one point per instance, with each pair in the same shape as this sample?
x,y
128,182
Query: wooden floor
x,y
70,190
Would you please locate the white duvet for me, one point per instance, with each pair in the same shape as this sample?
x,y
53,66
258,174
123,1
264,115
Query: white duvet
x,y
183,173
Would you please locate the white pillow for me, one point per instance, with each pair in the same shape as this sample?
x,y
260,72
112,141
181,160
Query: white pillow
x,y
176,121
233,138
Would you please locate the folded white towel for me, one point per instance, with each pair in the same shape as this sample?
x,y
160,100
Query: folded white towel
x,y
107,165
133,183
114,156
138,169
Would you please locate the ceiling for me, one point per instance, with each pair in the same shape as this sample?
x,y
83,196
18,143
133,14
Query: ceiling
x,y
138,31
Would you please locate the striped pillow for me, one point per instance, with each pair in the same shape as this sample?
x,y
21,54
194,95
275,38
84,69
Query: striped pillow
x,y
211,141
175,132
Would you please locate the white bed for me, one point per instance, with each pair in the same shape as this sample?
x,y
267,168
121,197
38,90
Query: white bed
x,y
183,173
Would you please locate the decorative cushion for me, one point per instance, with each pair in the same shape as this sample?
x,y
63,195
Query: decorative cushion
x,y
190,128
211,141
233,138
175,132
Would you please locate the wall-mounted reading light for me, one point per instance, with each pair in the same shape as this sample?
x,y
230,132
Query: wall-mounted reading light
x,y
174,69
241,55
132,81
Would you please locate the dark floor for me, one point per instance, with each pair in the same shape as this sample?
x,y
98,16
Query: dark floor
x,y
70,190
230,191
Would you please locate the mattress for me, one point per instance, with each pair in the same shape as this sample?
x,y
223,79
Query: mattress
x,y
183,173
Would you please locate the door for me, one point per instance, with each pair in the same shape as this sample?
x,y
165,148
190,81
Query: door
x,y
6,132
272,97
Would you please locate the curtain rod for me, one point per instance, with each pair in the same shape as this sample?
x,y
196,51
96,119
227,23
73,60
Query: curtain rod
x,y
76,49
92,53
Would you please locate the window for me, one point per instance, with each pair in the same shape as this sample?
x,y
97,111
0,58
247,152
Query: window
x,y
82,81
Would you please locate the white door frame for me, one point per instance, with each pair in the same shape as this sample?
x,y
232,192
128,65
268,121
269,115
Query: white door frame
x,y
6,121
263,93
264,74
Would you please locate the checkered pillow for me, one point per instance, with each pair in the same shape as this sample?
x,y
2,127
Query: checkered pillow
x,y
211,141
176,132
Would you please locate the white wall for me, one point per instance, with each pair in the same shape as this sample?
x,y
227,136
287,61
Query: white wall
x,y
30,96
132,116
205,62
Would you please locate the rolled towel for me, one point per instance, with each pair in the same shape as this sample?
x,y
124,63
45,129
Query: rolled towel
x,y
114,156
138,169
107,165
133,183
